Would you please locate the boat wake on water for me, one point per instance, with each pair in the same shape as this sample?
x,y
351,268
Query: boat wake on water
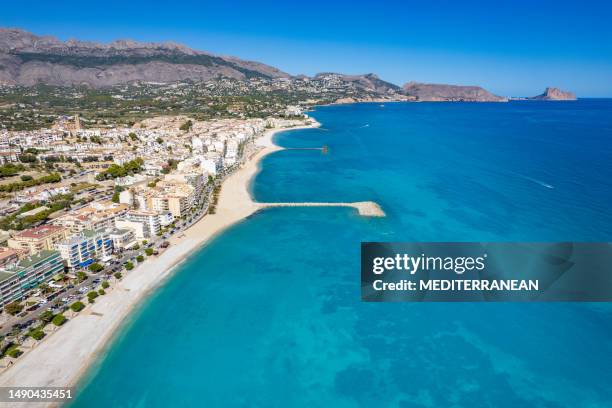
x,y
508,173
540,182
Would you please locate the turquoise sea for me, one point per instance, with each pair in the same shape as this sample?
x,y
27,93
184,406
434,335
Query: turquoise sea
x,y
269,313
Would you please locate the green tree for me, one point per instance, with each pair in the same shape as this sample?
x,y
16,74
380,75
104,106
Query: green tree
x,y
37,334
140,258
115,198
45,289
115,170
91,296
95,267
149,251
11,169
105,285
46,316
13,351
81,276
16,186
28,158
59,319
77,306
118,275
13,308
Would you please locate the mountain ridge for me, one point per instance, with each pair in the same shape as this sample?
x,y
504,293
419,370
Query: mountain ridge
x,y
27,59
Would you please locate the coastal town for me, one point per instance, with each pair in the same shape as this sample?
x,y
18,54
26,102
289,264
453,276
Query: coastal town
x,y
83,207
32,108
143,263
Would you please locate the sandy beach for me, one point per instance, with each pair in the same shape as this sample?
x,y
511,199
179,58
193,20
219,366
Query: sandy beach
x,y
63,357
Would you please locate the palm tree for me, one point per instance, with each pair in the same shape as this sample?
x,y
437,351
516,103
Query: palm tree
x,y
45,289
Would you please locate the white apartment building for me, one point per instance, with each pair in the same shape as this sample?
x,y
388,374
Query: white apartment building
x,y
149,219
139,229
123,238
82,249
126,197
210,166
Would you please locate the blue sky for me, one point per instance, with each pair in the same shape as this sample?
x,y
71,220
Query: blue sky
x,y
510,47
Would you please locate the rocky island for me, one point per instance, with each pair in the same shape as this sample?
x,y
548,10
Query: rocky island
x,y
555,94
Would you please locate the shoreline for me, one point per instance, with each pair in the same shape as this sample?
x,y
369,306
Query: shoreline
x,y
62,359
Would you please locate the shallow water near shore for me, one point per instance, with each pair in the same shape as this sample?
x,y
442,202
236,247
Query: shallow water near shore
x,y
269,315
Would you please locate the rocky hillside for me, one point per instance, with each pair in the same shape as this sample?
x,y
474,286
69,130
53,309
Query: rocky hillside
x,y
555,94
454,93
27,59
370,82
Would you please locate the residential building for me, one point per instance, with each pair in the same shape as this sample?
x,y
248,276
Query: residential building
x,y
97,215
139,229
210,166
82,249
9,256
123,238
18,279
126,197
37,239
176,197
165,218
149,218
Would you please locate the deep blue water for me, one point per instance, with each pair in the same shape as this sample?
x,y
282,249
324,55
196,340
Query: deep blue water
x,y
269,313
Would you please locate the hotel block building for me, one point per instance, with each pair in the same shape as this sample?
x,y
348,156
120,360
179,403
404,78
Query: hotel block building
x,y
144,223
82,249
99,215
123,238
17,279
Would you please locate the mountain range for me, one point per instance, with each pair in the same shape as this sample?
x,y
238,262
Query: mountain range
x,y
27,60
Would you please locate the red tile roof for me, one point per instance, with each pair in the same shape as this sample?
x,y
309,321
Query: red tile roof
x,y
41,231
